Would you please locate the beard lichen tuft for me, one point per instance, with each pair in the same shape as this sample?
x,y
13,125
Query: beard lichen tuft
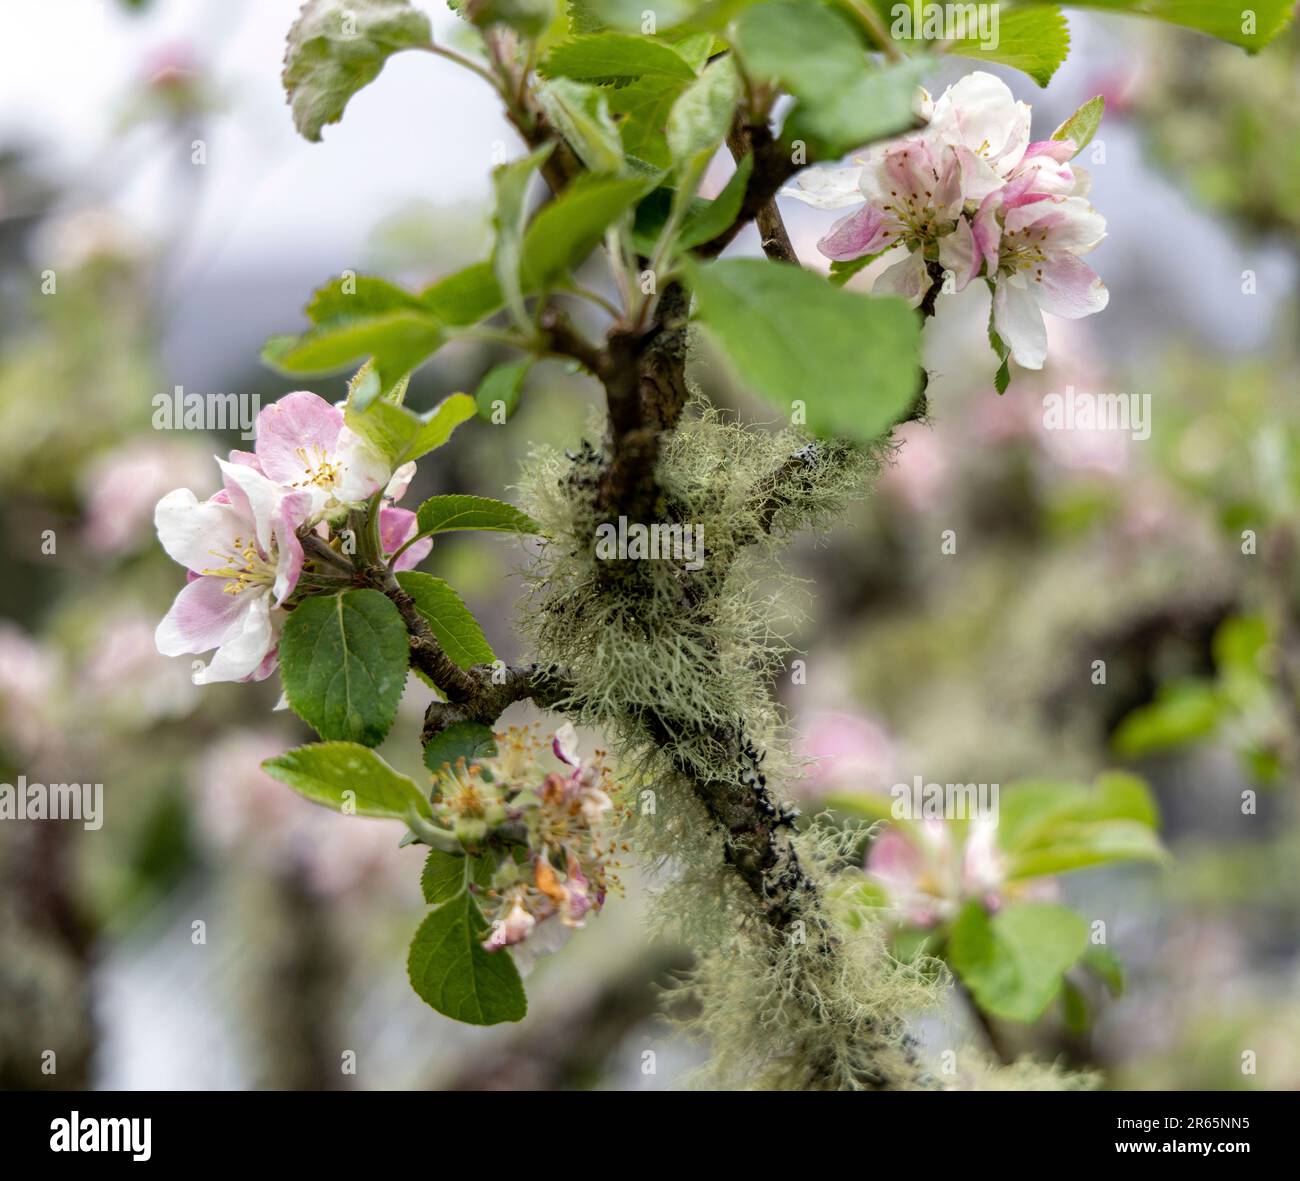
x,y
675,665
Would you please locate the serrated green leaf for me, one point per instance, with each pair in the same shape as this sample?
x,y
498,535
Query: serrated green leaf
x,y
570,227
343,662
1047,828
336,47
1082,125
581,115
1015,962
852,360
350,778
600,56
470,741
450,970
443,877
401,434
451,622
1034,40
443,514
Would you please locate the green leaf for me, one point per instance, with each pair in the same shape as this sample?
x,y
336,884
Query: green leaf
x,y
398,341
343,661
842,271
510,182
444,514
443,877
336,47
349,778
601,56
702,113
1183,712
706,220
501,384
450,970
1049,828
451,622
808,47
1082,125
470,741
401,434
1015,962
569,228
1035,40
1219,18
816,53
581,114
1105,965
852,359
464,297
877,106
529,18
641,110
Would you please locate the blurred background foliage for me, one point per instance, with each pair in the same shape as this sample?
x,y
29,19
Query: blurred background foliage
x,y
1171,559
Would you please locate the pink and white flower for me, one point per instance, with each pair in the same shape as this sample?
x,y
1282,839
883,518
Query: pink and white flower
x,y
987,130
971,193
1031,242
913,195
244,557
304,444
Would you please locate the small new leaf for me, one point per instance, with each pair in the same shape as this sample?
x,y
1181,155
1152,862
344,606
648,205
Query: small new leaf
x,y
1082,125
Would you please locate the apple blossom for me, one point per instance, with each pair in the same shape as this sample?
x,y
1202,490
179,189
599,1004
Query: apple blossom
x,y
303,443
927,875
971,193
244,558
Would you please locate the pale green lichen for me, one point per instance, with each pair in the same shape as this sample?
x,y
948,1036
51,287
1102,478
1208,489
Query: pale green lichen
x,y
676,668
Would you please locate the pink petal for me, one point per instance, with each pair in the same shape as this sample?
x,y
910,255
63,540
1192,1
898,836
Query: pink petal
x,y
959,253
907,278
895,861
299,424
1069,287
851,237
565,745
194,533
396,527
200,617
1060,150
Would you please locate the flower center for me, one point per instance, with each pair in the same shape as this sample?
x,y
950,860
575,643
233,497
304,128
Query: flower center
x,y
320,470
242,567
1023,251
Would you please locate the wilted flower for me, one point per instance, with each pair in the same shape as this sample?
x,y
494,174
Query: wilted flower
x,y
561,817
